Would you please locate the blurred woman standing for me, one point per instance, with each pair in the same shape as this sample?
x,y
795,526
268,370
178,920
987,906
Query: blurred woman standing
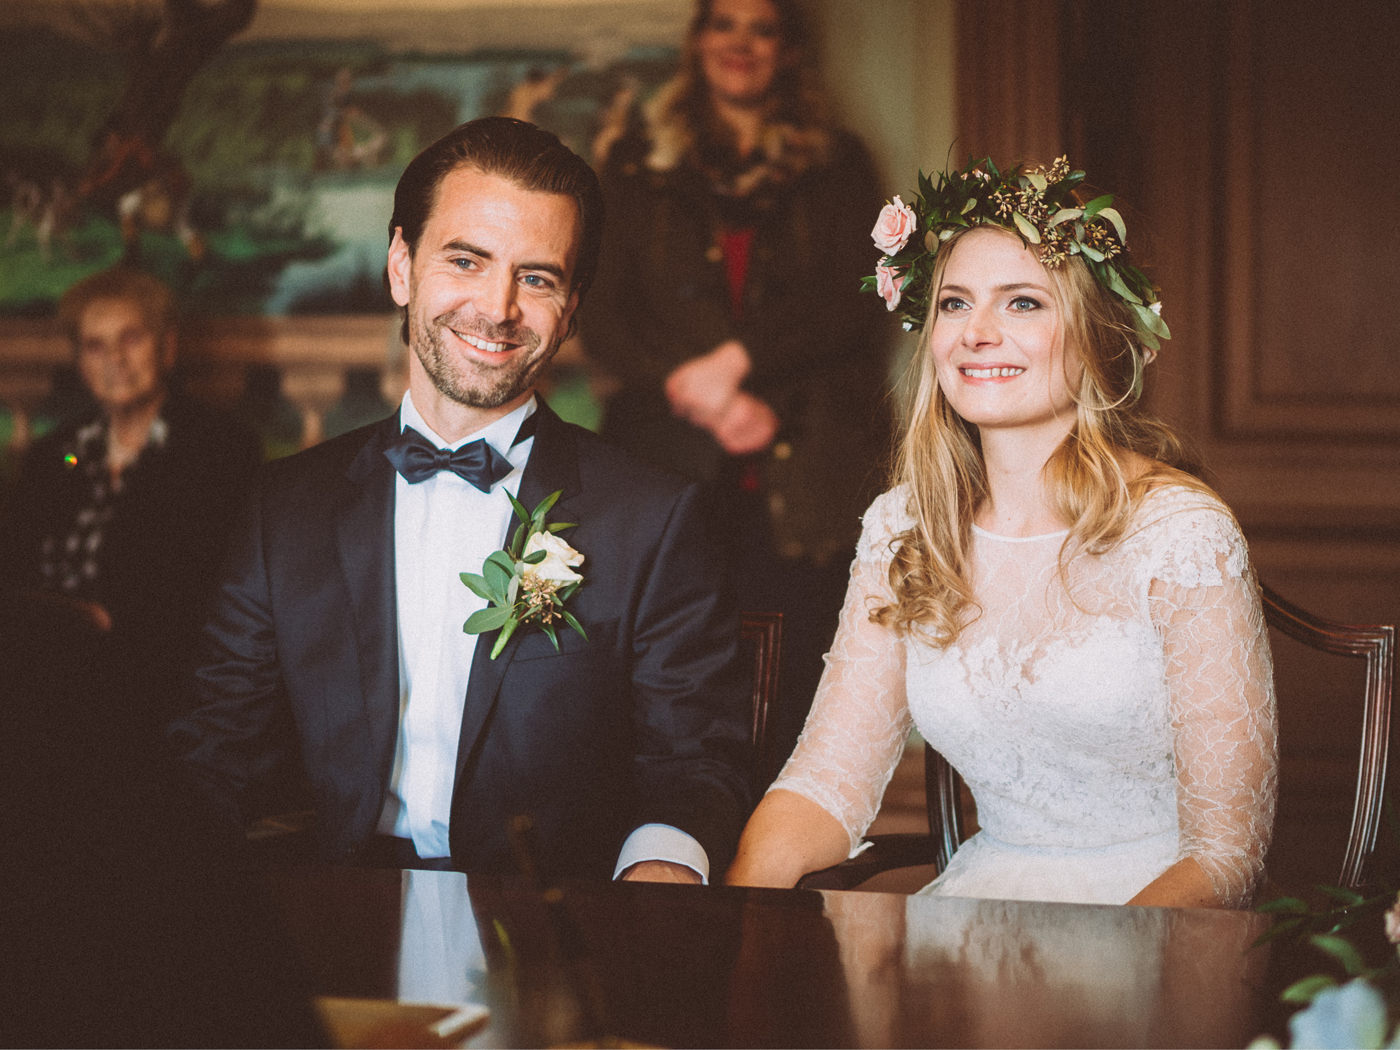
x,y
728,308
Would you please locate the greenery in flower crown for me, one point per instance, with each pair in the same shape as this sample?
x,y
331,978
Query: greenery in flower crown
x,y
1042,206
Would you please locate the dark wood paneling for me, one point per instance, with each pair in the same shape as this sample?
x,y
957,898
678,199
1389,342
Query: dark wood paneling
x,y
1008,81
1311,162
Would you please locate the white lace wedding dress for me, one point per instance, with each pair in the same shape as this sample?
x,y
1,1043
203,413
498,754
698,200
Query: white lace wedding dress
x,y
1108,722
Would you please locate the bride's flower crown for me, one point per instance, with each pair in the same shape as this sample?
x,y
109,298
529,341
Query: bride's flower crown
x,y
1040,205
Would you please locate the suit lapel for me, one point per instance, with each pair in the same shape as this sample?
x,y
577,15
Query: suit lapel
x,y
364,529
553,465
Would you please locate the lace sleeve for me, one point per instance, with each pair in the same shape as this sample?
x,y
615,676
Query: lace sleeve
x,y
1205,602
855,733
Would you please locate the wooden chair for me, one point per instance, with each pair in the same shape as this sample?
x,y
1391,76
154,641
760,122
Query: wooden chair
x,y
1375,643
761,644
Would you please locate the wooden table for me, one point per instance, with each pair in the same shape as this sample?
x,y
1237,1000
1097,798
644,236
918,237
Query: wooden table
x,y
681,966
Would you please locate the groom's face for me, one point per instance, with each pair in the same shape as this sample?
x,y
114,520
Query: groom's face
x,y
488,290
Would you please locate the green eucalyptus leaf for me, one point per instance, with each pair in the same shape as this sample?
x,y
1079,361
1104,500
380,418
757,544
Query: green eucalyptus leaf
x,y
1150,320
498,571
518,508
1340,949
535,558
484,620
517,541
477,584
1037,180
500,586
971,203
1023,224
500,560
1097,205
1116,285
1065,215
1111,214
1090,252
513,592
1306,990
1340,893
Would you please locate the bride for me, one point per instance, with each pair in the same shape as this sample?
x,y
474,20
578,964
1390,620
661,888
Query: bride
x,y
1046,592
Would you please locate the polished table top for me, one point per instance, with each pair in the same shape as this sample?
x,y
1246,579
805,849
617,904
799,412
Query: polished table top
x,y
717,966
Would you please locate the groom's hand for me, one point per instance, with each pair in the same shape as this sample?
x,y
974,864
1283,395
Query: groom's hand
x,y
660,871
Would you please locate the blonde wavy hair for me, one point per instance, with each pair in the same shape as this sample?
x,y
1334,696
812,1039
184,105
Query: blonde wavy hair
x,y
1095,476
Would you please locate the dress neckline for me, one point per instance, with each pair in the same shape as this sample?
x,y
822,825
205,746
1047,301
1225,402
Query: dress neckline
x,y
1061,534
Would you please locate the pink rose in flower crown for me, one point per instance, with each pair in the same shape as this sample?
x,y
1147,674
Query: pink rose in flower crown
x,y
888,283
893,227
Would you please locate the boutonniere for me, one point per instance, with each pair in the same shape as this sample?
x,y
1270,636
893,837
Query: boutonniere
x,y
529,581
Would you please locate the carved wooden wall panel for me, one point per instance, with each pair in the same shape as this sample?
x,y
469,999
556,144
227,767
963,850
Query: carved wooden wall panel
x,y
1311,156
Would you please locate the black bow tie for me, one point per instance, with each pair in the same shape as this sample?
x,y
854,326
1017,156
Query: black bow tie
x,y
477,462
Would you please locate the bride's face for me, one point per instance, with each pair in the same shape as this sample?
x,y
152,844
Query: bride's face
x,y
998,338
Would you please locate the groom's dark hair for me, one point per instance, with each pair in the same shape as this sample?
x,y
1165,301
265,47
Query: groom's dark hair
x,y
531,157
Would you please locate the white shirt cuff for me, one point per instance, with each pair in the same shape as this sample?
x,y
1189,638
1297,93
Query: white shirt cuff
x,y
663,842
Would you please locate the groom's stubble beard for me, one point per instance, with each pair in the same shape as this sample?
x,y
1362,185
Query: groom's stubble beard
x,y
467,382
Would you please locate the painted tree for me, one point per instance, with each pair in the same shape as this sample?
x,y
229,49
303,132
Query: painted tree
x,y
162,47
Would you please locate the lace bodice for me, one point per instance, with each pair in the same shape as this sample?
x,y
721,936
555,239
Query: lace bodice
x,y
1126,701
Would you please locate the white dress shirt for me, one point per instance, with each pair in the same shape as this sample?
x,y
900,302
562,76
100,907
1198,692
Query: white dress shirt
x,y
445,526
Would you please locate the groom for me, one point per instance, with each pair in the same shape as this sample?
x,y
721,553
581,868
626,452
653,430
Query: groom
x,y
336,633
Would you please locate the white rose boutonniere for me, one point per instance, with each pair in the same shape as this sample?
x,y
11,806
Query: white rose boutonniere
x,y
529,581
560,560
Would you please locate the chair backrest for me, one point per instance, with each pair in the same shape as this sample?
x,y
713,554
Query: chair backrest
x,y
1375,643
943,788
761,639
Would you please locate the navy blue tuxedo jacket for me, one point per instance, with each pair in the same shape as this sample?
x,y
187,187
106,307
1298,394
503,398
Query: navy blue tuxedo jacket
x,y
643,722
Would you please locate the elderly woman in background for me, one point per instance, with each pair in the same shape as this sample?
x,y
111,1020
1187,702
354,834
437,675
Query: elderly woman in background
x,y
121,512
727,308
1047,591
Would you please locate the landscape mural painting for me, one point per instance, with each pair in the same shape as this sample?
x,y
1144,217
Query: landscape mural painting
x,y
246,150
